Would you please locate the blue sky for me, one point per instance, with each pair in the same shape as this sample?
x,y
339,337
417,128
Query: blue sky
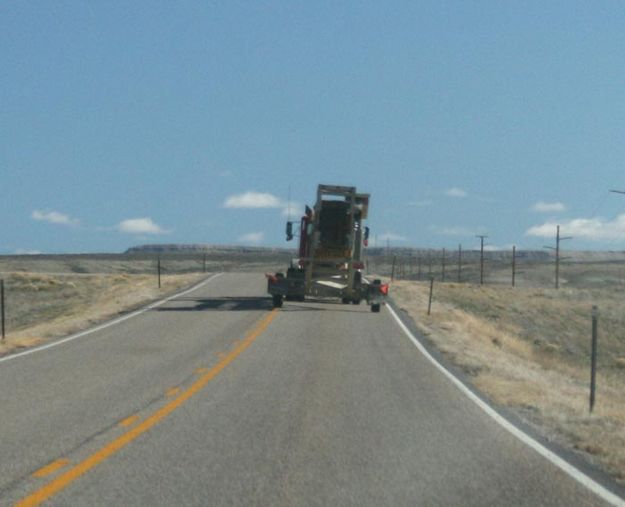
x,y
141,122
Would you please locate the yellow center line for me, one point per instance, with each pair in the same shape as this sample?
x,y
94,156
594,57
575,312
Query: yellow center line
x,y
173,391
51,468
64,480
129,421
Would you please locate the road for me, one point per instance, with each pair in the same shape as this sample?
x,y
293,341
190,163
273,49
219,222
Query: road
x,y
214,399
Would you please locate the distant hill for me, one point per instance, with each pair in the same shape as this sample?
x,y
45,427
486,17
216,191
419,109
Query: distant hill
x,y
496,255
205,248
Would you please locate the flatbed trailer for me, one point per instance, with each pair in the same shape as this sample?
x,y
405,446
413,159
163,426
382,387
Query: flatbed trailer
x,y
331,253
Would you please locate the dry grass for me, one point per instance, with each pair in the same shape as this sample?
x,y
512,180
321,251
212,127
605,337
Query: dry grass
x,y
40,307
528,349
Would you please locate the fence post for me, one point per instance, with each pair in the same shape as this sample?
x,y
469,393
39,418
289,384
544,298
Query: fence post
x,y
482,237
443,266
158,269
593,358
513,264
459,263
431,290
2,314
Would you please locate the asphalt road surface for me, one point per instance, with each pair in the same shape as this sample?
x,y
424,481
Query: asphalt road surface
x,y
215,399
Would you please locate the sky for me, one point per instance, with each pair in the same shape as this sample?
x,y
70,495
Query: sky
x,y
125,123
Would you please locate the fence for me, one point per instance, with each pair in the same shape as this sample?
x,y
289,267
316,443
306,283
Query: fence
x,y
511,268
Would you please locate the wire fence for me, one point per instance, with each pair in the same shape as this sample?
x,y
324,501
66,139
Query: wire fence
x,y
512,268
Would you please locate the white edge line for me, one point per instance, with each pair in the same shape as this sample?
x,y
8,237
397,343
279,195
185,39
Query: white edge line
x,y
109,323
564,465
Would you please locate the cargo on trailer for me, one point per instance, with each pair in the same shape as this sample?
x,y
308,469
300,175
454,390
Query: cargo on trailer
x,y
332,243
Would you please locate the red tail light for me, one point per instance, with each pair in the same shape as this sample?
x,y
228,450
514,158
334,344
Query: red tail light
x,y
384,289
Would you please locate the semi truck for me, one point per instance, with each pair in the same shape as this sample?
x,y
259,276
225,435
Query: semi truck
x,y
332,243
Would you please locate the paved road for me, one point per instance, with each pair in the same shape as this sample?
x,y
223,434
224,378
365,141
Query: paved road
x,y
213,399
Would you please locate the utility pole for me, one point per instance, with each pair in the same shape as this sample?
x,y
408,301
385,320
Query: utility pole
x,y
557,249
459,263
481,236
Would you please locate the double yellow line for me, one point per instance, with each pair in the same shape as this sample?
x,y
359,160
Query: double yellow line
x,y
65,479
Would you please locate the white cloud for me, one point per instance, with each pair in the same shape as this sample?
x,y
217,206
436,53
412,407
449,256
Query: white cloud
x,y
548,207
258,200
456,230
252,237
390,236
452,231
456,192
27,252
596,229
421,204
493,248
253,200
54,217
140,226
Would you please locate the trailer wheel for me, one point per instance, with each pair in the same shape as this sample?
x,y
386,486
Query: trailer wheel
x,y
277,301
375,308
345,301
355,301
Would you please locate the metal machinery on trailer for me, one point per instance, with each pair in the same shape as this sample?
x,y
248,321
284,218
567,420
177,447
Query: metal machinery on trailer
x,y
331,250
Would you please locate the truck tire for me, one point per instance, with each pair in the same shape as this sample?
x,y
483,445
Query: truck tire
x,y
375,308
277,300
357,278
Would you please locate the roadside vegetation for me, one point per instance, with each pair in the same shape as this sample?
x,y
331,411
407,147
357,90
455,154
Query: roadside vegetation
x,y
49,296
40,307
528,348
